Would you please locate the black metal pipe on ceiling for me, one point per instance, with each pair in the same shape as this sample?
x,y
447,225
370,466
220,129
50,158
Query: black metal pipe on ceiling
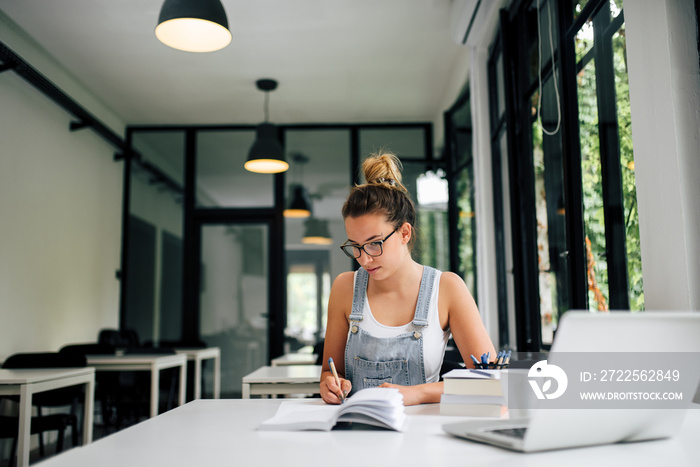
x,y
12,61
85,119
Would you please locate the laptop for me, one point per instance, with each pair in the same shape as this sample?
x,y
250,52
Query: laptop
x,y
580,331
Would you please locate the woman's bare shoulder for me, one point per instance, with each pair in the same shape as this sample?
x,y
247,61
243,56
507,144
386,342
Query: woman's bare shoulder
x,y
342,287
452,283
344,280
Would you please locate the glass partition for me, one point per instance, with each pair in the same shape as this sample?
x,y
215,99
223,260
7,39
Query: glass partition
x,y
221,179
407,143
234,299
153,283
320,162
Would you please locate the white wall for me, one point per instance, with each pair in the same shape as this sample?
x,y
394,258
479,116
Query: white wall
x,y
60,211
664,85
60,234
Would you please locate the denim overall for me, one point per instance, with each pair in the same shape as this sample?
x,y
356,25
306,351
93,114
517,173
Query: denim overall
x,y
371,361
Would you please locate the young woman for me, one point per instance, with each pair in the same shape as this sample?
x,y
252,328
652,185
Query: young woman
x,y
389,322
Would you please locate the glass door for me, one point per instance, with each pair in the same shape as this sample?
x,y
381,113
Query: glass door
x,y
234,298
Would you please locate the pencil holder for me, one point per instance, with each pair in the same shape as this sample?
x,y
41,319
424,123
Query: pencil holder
x,y
491,366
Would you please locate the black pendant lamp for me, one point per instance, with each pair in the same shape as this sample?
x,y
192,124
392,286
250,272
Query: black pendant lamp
x,y
300,206
316,232
266,155
193,25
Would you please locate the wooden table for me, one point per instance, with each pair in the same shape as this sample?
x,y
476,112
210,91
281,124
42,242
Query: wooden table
x,y
287,379
295,359
198,356
26,383
146,362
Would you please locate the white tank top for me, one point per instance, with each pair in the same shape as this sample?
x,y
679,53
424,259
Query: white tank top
x,y
434,338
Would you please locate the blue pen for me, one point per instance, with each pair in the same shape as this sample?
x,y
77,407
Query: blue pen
x,y
476,362
484,359
500,357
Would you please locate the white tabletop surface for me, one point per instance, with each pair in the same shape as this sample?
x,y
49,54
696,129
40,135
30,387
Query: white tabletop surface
x,y
203,353
26,382
295,359
284,374
29,376
144,359
145,362
223,433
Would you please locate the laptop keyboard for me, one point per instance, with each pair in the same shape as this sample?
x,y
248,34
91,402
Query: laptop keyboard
x,y
512,432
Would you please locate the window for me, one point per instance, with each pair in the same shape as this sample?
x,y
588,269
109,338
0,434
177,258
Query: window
x,y
610,211
570,167
459,137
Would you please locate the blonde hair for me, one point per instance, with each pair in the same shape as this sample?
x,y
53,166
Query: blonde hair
x,y
383,169
383,192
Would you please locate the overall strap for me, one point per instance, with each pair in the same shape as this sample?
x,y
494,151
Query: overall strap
x,y
420,317
358,295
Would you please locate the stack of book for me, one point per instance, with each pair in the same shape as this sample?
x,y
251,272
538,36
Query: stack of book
x,y
473,393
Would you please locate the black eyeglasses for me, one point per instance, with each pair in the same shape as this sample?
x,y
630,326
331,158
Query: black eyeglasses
x,y
373,249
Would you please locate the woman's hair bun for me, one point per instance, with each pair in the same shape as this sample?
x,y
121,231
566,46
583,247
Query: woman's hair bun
x,y
383,169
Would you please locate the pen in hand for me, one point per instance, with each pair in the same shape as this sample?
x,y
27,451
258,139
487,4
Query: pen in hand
x,y
337,379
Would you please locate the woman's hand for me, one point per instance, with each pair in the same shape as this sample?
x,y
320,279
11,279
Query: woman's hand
x,y
419,394
331,393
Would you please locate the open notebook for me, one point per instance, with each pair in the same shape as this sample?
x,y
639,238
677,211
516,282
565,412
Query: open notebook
x,y
382,407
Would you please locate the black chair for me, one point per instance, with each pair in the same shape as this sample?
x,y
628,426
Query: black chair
x,y
170,345
9,427
318,350
63,397
176,344
168,378
120,400
124,396
88,349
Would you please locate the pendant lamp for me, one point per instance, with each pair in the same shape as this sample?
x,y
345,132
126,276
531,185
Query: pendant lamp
x,y
266,155
300,205
193,25
316,232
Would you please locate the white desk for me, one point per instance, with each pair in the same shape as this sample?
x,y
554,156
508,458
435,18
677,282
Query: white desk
x,y
223,433
147,362
295,359
288,379
198,356
26,383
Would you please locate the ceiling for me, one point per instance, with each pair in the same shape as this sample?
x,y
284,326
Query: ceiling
x,y
341,61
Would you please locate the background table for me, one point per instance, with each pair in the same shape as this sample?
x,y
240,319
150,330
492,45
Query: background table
x,y
198,356
26,383
147,362
295,359
224,432
287,379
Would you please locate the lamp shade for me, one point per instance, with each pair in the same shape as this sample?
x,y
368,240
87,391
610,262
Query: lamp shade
x,y
266,154
300,206
316,232
193,25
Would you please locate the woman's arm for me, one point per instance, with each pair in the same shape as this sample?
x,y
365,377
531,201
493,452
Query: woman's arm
x,y
419,394
463,319
339,304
